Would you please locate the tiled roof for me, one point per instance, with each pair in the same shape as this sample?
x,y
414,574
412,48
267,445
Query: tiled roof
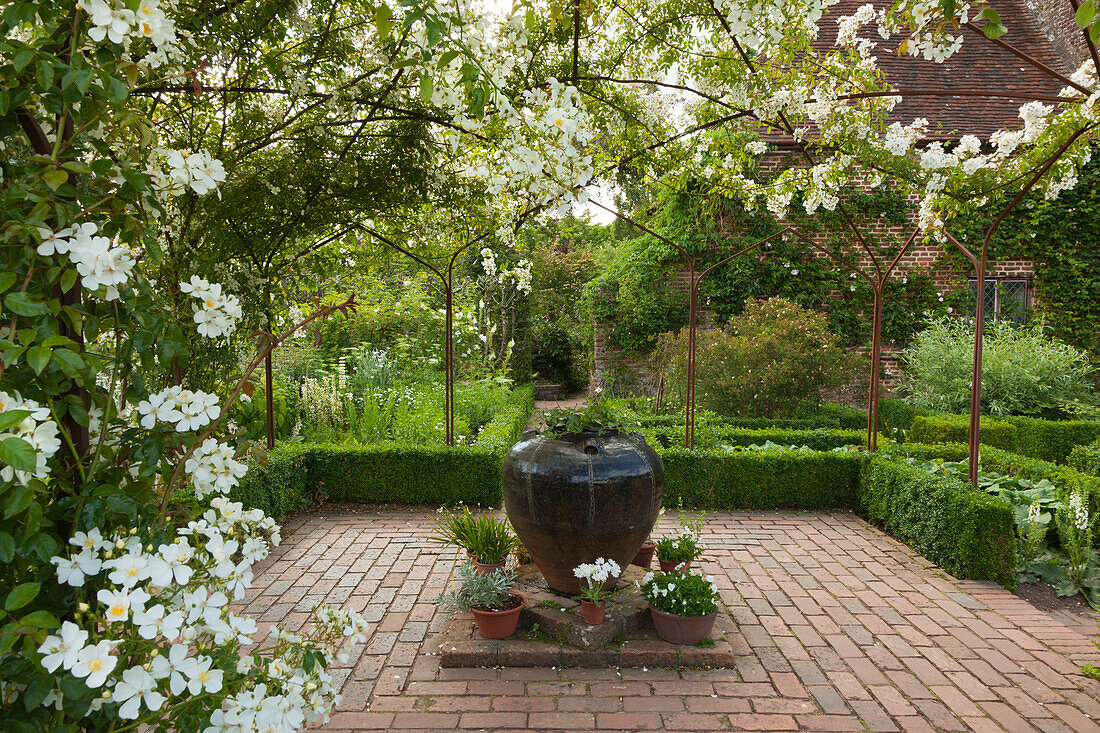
x,y
978,65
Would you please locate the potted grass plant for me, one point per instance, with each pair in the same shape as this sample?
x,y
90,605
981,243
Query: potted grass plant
x,y
490,598
595,578
683,605
486,539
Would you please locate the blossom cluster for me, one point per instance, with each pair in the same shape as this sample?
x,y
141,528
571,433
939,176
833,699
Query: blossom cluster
x,y
520,274
100,261
124,22
188,410
36,429
182,170
681,593
160,620
597,572
213,468
217,312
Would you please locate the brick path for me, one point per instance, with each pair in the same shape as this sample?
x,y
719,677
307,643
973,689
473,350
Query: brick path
x,y
841,628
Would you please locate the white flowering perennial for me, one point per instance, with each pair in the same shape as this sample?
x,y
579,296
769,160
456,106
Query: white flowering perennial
x,y
187,410
117,21
100,261
213,468
217,312
597,572
160,619
36,429
1080,510
182,170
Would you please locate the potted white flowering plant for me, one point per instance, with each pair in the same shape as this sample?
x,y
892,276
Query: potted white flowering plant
x,y
595,578
683,605
678,552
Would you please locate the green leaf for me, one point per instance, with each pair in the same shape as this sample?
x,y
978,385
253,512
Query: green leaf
x,y
21,595
55,177
40,620
117,91
18,454
21,304
949,7
7,547
448,58
383,20
39,358
426,88
68,280
7,279
1085,14
23,58
69,361
11,418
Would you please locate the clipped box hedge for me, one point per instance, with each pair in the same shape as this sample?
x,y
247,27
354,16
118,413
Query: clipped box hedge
x,y
829,415
967,532
943,428
1052,440
775,479
295,475
1086,459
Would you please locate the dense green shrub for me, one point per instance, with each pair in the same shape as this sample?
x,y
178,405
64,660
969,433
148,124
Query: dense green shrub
x,y
828,415
1065,478
773,360
555,356
1049,440
1024,372
1086,459
967,532
956,429
297,475
1052,440
895,414
777,479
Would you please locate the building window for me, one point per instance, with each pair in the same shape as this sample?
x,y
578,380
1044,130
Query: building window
x,y
1005,300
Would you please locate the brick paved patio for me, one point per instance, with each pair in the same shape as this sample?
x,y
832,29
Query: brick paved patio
x,y
840,628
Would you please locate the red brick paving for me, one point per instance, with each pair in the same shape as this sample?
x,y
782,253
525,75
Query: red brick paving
x,y
840,627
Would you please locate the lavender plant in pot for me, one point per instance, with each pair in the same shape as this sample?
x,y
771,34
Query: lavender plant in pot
x,y
489,596
683,605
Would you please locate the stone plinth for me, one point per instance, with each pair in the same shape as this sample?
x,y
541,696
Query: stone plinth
x,y
552,633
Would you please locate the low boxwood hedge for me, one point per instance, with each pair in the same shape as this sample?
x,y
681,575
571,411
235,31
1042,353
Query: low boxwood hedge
x,y
1052,440
943,428
295,475
964,530
1086,459
774,479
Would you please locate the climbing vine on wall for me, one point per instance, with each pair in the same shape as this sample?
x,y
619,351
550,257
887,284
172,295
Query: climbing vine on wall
x,y
1061,237
634,301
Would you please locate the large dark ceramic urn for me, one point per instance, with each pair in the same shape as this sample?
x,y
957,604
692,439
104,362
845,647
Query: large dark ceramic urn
x,y
573,498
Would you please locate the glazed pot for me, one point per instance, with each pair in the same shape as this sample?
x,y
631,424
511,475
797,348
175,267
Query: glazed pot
x,y
593,612
499,624
669,566
644,558
573,498
687,630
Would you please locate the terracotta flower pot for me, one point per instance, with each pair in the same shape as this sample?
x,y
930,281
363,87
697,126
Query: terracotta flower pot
x,y
499,624
593,612
644,558
484,568
687,630
667,566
